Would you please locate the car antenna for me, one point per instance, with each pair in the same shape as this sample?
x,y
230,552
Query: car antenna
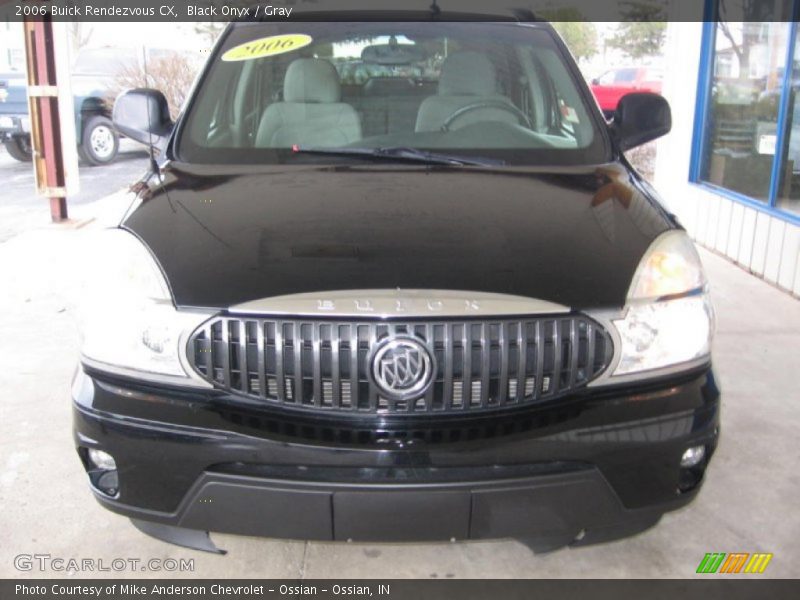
x,y
153,163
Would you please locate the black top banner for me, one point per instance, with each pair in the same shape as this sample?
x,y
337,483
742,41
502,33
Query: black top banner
x,y
410,10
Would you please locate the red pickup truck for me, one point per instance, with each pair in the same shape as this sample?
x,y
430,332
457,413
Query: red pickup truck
x,y
615,83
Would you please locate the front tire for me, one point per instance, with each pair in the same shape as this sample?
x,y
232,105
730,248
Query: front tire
x,y
19,147
100,142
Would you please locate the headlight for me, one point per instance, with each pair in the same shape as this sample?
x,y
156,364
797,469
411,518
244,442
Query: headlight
x,y
129,324
668,318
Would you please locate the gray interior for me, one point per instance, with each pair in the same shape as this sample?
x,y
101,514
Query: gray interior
x,y
468,79
317,111
311,112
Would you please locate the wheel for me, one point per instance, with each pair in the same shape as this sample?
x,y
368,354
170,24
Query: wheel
x,y
19,147
100,142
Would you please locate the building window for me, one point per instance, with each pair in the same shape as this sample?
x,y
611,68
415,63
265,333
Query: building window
x,y
788,192
748,143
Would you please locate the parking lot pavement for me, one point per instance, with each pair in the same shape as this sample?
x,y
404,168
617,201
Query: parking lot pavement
x,y
749,503
21,208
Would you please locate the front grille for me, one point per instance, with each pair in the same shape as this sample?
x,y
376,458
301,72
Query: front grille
x,y
479,365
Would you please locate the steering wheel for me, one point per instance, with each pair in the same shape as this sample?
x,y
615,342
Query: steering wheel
x,y
521,116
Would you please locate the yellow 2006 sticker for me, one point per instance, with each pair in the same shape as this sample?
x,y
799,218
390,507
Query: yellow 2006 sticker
x,y
268,46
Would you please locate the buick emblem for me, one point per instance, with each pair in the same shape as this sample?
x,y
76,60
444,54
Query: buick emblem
x,y
402,368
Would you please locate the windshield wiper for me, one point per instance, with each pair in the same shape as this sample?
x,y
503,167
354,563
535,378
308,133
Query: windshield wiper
x,y
401,153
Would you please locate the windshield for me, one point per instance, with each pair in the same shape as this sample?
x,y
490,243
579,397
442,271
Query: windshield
x,y
494,90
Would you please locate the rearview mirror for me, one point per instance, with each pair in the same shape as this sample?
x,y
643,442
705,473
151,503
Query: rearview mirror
x,y
640,117
142,114
392,54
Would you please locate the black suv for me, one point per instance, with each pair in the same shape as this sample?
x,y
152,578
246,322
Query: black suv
x,y
433,302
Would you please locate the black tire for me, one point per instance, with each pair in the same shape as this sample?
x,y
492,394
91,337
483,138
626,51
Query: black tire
x,y
99,142
19,147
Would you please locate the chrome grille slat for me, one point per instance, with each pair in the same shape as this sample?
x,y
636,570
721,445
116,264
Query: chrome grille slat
x,y
335,373
324,365
353,367
279,354
373,391
486,357
555,379
226,365
208,358
261,347
244,376
574,347
447,387
316,367
466,372
502,386
522,349
297,356
539,373
429,394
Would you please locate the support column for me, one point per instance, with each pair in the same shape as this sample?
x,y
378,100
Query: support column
x,y
43,104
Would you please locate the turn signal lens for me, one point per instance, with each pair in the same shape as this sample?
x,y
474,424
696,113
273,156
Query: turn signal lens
x,y
671,267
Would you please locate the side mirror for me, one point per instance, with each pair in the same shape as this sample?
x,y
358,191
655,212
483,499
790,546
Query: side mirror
x,y
142,114
640,117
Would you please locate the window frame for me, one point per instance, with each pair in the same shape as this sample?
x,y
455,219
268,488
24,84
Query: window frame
x,y
703,105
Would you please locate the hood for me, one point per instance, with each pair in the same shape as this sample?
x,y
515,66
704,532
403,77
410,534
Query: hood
x,y
13,93
228,236
87,85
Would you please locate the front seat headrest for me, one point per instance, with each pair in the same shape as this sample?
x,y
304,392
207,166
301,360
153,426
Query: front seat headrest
x,y
311,80
467,73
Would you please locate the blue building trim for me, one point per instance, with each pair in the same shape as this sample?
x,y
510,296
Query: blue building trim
x,y
701,120
783,111
704,76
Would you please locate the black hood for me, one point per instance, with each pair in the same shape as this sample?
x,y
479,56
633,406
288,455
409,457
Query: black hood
x,y
226,236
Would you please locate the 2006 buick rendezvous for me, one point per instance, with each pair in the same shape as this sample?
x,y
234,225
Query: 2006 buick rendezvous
x,y
395,281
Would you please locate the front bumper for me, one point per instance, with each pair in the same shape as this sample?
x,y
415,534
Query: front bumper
x,y
596,466
13,125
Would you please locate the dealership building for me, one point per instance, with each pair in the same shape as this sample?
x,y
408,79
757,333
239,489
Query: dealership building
x,y
730,168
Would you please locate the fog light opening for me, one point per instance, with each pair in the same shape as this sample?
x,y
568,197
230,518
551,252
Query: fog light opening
x,y
101,469
693,456
102,460
692,466
108,483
